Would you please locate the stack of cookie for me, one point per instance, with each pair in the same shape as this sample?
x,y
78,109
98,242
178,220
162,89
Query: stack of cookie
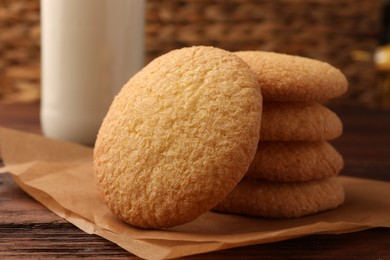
x,y
182,133
295,168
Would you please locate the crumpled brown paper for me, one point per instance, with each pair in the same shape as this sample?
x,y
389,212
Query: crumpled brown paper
x,y
60,176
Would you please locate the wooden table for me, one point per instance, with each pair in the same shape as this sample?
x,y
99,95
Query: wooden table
x,y
30,231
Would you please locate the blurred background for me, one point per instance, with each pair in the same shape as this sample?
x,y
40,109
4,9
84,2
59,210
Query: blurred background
x,y
345,33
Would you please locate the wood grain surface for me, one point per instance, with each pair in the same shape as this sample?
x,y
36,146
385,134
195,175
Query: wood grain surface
x,y
30,231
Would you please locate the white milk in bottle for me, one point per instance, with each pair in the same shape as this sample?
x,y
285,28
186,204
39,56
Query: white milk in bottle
x,y
90,48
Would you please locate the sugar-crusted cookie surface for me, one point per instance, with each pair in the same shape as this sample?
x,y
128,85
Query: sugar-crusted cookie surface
x,y
285,77
283,199
178,137
295,161
299,121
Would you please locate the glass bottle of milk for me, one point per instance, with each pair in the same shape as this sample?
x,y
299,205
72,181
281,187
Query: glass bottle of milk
x,y
90,48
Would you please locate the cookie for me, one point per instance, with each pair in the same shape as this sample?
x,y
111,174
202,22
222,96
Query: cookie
x,y
295,161
178,137
269,199
299,121
285,77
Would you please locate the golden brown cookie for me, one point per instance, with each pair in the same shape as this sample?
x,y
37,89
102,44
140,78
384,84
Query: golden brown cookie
x,y
285,77
178,137
299,121
283,199
295,161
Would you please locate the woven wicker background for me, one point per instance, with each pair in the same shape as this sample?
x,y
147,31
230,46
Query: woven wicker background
x,y
343,33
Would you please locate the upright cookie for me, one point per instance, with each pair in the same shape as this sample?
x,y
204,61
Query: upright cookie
x,y
283,199
178,137
295,161
285,77
299,121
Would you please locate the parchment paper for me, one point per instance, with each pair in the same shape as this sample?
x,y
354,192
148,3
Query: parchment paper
x,y
59,175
